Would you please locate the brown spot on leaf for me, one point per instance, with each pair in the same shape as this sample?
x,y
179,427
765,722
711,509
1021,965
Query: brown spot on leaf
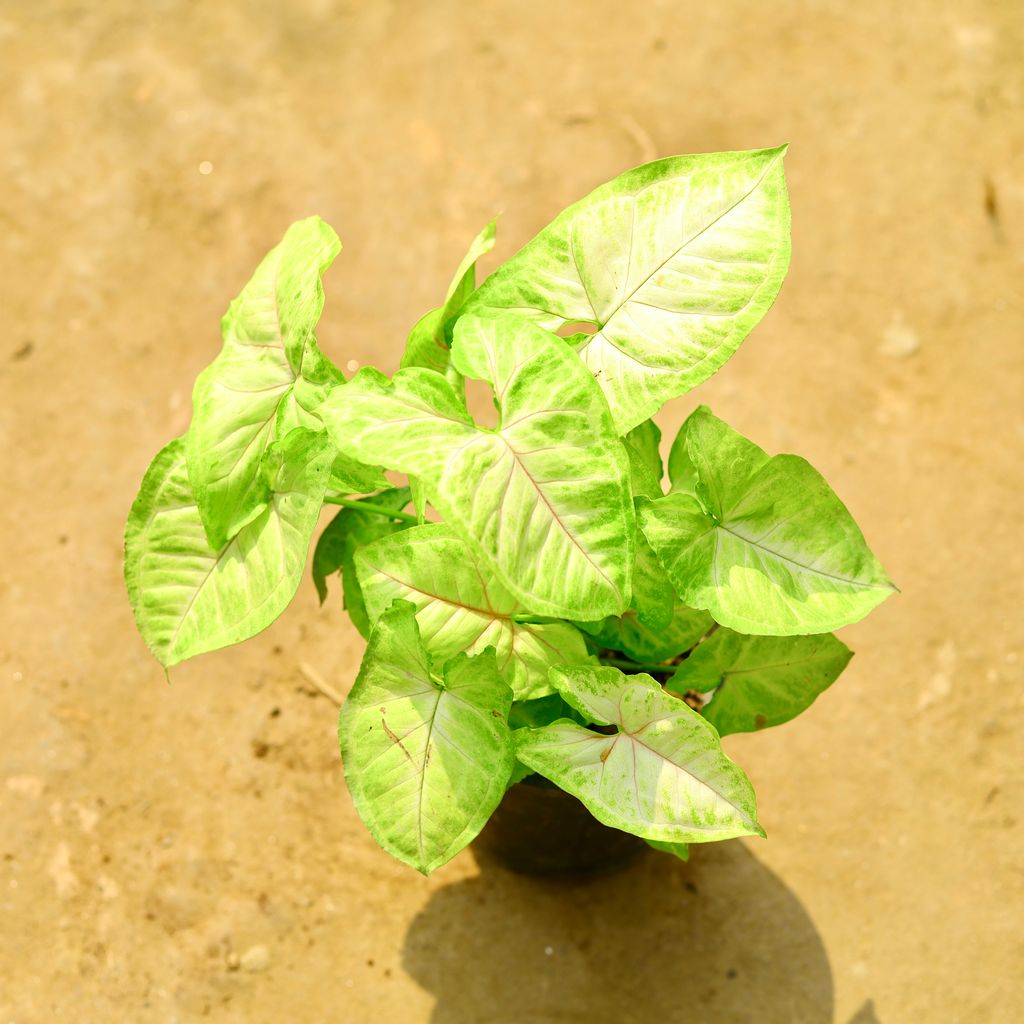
x,y
760,721
394,738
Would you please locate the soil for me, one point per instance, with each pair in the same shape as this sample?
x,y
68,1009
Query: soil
x,y
187,851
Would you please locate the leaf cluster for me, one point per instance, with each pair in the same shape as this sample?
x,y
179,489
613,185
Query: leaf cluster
x,y
539,597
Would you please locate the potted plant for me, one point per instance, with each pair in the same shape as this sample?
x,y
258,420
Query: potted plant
x,y
538,607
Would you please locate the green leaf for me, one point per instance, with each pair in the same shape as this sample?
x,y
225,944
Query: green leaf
x,y
425,346
419,499
430,339
629,634
188,598
764,545
656,625
674,262
682,473
351,477
643,448
542,711
760,681
268,347
350,529
653,598
416,420
680,850
464,280
544,499
534,713
460,606
426,758
662,775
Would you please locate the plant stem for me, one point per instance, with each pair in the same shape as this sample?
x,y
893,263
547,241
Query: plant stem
x,y
643,666
367,506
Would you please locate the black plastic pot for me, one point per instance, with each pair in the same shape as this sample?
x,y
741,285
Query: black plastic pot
x,y
540,830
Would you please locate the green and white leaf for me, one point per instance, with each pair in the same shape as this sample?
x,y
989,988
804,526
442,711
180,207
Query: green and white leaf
x,y
427,756
760,681
533,713
268,347
349,530
543,500
460,606
416,420
430,339
661,776
763,543
675,262
188,598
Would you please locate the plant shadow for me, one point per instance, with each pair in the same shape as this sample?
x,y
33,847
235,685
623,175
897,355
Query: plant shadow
x,y
720,939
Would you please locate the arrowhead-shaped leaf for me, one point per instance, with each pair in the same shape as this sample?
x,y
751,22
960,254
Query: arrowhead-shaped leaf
x,y
188,598
268,379
674,262
335,551
460,606
544,499
430,339
760,681
763,543
427,756
662,775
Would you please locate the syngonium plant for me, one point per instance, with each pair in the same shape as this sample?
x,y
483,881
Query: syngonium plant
x,y
563,615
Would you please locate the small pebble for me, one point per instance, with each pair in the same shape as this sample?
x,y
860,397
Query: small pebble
x,y
898,340
255,958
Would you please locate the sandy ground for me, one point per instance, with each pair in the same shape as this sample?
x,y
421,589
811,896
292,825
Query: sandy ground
x,y
188,852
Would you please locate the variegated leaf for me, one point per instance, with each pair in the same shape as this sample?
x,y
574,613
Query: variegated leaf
x,y
673,262
427,753
762,543
460,606
661,775
544,499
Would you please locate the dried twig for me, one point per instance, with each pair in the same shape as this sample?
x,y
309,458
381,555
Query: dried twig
x,y
314,677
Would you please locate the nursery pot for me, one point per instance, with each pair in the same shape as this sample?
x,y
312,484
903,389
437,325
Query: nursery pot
x,y
540,830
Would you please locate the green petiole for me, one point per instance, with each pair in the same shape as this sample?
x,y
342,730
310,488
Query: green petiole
x,y
367,506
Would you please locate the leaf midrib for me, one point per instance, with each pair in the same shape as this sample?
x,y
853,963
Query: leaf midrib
x,y
730,673
664,263
633,737
518,458
792,561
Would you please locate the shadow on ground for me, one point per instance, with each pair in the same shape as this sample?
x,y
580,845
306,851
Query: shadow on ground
x,y
720,939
